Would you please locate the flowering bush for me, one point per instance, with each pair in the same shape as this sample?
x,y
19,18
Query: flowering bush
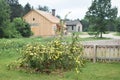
x,y
55,55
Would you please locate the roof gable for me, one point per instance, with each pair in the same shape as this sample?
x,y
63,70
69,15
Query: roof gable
x,y
47,15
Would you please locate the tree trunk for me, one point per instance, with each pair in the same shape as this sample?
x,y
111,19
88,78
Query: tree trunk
x,y
100,34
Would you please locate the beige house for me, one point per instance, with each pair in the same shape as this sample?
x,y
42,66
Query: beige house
x,y
42,23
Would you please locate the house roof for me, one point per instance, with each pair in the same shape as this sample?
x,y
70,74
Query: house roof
x,y
72,23
48,16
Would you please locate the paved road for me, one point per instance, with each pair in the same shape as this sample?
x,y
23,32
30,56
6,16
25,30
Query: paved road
x,y
115,40
102,42
110,35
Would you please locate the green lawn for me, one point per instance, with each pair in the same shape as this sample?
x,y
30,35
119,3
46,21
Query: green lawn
x,y
117,34
9,53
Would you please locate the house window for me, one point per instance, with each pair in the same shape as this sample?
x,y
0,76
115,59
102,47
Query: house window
x,y
72,27
33,19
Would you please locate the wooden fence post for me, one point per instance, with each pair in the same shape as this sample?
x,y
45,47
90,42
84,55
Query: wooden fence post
x,y
95,53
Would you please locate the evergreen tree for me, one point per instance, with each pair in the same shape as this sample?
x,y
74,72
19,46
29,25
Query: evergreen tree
x,y
100,14
4,16
44,8
27,8
12,1
16,9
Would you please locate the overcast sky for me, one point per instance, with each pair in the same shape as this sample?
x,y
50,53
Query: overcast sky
x,y
78,8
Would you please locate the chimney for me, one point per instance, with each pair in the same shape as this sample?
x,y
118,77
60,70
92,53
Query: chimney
x,y
53,12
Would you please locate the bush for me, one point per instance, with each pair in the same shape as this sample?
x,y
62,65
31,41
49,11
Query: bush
x,y
55,55
16,29
10,31
22,27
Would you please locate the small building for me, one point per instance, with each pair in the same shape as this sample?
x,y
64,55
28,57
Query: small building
x,y
42,23
74,26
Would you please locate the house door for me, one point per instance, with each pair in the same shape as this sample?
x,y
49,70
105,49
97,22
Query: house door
x,y
35,30
78,28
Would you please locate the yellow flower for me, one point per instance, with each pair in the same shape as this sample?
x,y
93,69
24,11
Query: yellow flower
x,y
35,53
31,54
77,70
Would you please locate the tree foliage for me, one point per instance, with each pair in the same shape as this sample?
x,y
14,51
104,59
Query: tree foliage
x,y
16,9
85,24
118,24
100,14
10,30
4,11
12,1
27,8
14,29
4,16
22,27
44,8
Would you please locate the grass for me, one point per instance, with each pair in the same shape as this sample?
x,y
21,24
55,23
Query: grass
x,y
92,71
117,34
97,71
86,39
81,33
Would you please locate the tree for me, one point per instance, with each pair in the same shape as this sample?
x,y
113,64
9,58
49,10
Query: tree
x,y
44,8
16,9
22,27
58,16
85,24
100,14
12,1
27,8
111,26
118,24
4,16
10,30
4,11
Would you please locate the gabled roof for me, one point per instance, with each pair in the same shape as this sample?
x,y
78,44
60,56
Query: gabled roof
x,y
48,16
72,23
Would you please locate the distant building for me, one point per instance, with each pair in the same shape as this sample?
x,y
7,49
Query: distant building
x,y
42,23
74,26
